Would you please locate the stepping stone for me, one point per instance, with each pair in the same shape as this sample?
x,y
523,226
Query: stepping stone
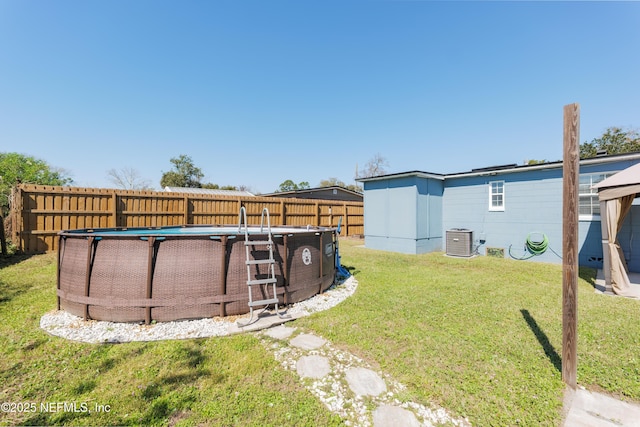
x,y
280,332
313,366
308,342
392,416
364,381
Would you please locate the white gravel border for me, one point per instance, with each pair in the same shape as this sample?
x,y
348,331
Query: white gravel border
x,y
65,325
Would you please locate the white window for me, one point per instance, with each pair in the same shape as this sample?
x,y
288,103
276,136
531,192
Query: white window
x,y
589,206
496,196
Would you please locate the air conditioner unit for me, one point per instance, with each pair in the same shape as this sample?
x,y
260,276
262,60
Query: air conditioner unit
x,y
459,242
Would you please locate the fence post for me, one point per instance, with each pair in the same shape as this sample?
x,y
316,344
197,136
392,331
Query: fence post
x,y
3,240
283,219
346,220
114,209
186,210
16,212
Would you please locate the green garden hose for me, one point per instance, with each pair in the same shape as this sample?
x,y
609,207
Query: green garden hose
x,y
537,248
534,247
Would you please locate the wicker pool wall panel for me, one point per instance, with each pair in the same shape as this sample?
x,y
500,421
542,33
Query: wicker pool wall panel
x,y
136,279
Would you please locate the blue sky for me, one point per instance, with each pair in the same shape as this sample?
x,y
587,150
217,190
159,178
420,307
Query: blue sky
x,y
258,92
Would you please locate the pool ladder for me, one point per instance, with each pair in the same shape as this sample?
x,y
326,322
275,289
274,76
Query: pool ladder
x,y
271,280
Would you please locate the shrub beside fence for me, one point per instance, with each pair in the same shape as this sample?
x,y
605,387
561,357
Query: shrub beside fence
x,y
39,212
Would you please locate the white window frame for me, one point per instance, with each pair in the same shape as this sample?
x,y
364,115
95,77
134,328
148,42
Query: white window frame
x,y
492,193
585,181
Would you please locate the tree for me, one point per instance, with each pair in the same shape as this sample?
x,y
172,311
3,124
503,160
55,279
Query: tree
x,y
614,140
128,178
212,186
244,188
18,168
331,182
374,167
184,174
289,185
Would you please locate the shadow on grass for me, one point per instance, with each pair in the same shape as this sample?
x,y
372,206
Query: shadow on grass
x,y
542,338
160,397
9,260
9,291
162,406
352,270
588,274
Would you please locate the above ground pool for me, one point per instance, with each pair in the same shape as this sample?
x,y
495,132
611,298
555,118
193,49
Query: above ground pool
x,y
187,272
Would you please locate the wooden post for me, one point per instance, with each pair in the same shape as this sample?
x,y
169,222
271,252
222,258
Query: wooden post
x,y
185,214
570,171
283,213
3,240
16,211
330,215
345,224
114,210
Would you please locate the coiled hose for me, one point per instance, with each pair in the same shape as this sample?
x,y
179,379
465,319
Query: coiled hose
x,y
534,247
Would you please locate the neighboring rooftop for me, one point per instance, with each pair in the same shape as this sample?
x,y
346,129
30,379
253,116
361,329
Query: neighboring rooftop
x,y
211,191
334,192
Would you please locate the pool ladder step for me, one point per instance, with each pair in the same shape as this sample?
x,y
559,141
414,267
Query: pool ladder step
x,y
268,284
261,282
263,302
259,242
259,261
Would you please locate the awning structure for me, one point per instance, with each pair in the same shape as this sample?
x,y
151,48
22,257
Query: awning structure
x,y
616,195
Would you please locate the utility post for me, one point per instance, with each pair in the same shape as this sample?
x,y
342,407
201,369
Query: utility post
x,y
570,181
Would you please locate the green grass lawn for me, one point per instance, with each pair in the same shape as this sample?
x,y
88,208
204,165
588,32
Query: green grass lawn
x,y
223,381
480,337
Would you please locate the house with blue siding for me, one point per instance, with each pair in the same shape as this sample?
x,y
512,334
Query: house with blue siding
x,y
503,210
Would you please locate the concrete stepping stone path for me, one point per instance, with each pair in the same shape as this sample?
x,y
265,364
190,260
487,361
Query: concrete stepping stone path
x,y
365,382
346,385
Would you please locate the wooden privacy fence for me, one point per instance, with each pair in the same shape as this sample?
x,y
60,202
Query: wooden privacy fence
x,y
39,212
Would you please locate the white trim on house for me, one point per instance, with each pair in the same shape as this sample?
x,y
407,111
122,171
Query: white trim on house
x,y
591,195
499,195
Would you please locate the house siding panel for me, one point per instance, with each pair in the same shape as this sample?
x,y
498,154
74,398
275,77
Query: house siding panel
x,y
429,215
393,228
408,215
411,214
533,204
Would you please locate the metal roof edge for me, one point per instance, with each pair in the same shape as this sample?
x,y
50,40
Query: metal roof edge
x,y
419,174
501,170
550,165
310,190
